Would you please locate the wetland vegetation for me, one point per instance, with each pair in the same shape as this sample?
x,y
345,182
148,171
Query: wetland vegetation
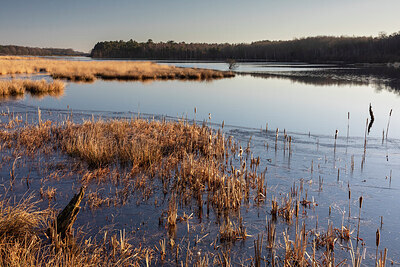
x,y
176,191
88,71
17,87
189,172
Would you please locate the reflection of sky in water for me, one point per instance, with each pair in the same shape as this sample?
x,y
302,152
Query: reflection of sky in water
x,y
241,101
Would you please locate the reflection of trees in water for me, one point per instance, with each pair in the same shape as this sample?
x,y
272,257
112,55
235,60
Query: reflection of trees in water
x,y
380,78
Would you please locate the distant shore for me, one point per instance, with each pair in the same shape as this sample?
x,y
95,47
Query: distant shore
x,y
319,49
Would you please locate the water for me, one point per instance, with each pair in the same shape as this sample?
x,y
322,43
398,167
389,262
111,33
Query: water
x,y
243,101
308,104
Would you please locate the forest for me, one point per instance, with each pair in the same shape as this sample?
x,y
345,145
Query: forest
x,y
36,51
381,49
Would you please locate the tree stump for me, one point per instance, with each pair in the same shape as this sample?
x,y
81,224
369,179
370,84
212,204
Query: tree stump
x,y
68,216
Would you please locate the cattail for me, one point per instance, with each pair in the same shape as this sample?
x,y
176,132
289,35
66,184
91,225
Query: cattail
x,y
352,163
387,129
377,240
39,117
378,237
348,186
336,136
359,220
348,125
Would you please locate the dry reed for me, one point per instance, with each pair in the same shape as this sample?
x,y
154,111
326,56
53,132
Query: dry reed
x,y
23,242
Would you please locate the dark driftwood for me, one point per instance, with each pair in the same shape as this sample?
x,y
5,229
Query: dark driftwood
x,y
372,118
68,216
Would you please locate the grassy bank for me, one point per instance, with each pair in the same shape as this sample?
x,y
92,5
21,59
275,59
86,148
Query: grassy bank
x,y
42,87
108,70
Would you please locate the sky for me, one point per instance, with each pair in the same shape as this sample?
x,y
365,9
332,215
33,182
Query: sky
x,y
81,24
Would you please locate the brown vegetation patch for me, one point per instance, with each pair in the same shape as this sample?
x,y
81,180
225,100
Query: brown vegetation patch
x,y
23,242
19,87
189,160
107,70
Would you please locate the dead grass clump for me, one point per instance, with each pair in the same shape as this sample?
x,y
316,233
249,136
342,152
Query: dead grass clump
x,y
11,88
172,212
295,251
190,160
23,242
287,210
19,87
42,86
29,139
22,219
138,142
95,200
343,233
74,77
231,232
271,233
49,193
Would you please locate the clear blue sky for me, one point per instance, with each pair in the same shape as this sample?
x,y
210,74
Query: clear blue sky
x,y
80,24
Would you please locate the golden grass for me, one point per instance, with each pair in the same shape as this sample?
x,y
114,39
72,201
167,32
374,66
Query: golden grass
x,y
19,87
90,70
23,242
12,88
190,158
17,220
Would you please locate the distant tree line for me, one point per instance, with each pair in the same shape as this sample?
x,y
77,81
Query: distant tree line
x,y
385,48
35,51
